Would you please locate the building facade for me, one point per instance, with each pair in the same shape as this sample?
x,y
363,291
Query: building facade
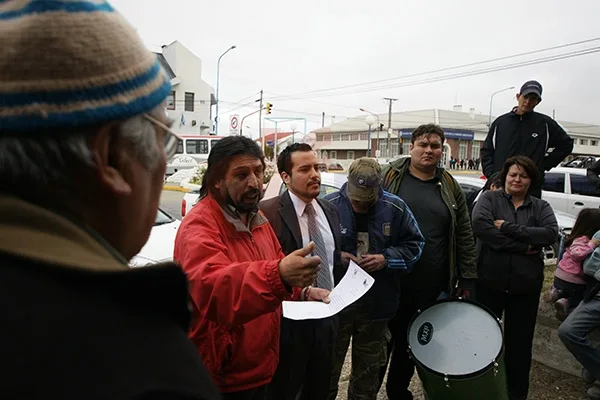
x,y
465,133
191,100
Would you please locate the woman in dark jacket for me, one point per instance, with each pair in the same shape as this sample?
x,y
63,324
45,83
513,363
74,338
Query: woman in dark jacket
x,y
512,227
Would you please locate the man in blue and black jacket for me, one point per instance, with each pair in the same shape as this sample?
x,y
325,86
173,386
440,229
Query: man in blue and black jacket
x,y
525,132
380,234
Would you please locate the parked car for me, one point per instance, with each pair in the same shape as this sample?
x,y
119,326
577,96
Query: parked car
x,y
568,190
580,162
335,167
188,201
161,242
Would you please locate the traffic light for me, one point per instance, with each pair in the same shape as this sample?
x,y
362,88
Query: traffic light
x,y
268,107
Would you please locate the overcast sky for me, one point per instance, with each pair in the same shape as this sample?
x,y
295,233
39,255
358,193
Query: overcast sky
x,y
291,47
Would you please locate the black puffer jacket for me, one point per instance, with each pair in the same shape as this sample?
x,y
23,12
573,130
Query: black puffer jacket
x,y
531,135
502,260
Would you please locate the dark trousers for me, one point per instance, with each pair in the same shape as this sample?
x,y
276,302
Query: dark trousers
x,y
259,393
305,360
573,292
402,368
520,312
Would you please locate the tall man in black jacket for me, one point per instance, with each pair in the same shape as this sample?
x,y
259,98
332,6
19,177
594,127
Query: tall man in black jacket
x,y
525,132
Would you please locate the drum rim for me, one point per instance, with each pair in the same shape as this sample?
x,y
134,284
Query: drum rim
x,y
456,377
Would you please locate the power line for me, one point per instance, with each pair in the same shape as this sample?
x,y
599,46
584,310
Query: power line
x,y
464,74
301,94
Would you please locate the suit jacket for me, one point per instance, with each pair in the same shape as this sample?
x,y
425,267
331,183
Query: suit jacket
x,y
281,214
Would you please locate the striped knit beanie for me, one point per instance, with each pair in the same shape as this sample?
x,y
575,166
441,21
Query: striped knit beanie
x,y
69,62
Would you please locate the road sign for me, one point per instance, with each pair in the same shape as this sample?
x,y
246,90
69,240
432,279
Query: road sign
x,y
234,125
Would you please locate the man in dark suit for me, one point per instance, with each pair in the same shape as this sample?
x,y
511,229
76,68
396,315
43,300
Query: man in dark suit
x,y
298,217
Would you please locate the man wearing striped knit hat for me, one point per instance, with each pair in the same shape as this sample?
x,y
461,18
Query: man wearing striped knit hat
x,y
84,139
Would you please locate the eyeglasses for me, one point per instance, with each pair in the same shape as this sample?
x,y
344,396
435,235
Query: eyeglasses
x,y
171,138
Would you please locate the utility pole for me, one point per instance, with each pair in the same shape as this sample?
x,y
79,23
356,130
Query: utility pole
x,y
260,120
323,119
390,127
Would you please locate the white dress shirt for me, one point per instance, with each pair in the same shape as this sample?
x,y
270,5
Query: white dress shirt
x,y
323,223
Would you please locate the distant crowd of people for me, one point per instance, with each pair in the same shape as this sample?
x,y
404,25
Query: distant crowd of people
x,y
470,164
84,149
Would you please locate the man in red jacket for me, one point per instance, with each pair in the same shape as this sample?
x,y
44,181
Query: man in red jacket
x,y
237,272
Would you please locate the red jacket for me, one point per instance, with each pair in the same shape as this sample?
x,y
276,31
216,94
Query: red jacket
x,y
236,293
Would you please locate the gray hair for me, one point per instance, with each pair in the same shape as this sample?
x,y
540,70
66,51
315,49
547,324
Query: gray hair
x,y
39,160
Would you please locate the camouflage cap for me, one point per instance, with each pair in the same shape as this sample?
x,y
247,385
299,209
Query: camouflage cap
x,y
364,180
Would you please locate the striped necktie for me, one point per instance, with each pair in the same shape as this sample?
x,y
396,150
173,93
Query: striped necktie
x,y
323,276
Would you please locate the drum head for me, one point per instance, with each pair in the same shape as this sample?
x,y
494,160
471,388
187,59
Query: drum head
x,y
455,338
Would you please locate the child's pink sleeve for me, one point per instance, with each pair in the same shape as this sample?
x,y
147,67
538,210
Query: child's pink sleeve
x,y
581,248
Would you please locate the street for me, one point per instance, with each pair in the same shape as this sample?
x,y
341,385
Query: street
x,y
170,202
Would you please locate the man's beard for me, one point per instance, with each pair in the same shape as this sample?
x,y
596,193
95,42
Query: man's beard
x,y
242,207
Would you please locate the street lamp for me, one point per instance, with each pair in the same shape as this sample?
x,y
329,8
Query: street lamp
x,y
378,124
217,105
293,128
492,99
369,120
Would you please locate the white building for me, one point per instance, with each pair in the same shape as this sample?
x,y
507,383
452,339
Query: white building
x,y
190,103
465,133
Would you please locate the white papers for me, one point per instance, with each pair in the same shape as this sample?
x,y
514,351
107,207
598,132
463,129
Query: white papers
x,y
352,287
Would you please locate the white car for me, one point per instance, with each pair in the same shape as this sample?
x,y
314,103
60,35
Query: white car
x,y
568,190
188,201
161,242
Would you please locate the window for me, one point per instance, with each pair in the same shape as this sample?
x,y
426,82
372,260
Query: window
x,y
354,136
581,185
326,189
213,142
196,146
554,182
469,189
337,137
171,101
189,101
350,155
162,218
594,143
333,154
475,147
463,148
179,146
395,146
405,149
583,142
323,191
364,136
383,149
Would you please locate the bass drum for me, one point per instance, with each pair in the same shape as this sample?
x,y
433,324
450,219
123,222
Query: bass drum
x,y
457,346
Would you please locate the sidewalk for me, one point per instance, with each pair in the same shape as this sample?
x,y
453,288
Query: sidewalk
x,y
465,172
